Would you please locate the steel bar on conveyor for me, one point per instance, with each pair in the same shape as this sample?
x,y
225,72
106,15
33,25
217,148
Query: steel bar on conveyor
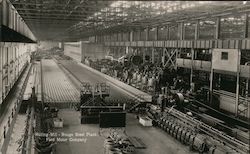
x,y
210,131
84,75
56,86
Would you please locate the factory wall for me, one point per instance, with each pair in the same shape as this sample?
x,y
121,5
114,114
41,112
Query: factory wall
x,y
73,50
79,50
47,45
225,59
13,59
94,51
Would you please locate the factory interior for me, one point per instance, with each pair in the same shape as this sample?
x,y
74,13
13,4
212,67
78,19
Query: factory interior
x,y
124,77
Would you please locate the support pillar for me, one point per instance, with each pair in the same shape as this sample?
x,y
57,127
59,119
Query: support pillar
x,y
237,85
131,36
246,26
110,37
117,37
156,34
121,37
197,30
147,34
153,55
191,73
217,30
128,36
163,57
211,82
182,31
140,35
144,55
168,33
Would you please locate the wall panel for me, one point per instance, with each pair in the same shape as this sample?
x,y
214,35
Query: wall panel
x,y
94,51
73,50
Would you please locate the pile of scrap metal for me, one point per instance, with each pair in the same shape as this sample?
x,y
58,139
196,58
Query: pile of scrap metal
x,y
115,144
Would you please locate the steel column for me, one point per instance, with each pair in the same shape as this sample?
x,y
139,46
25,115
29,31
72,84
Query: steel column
x,y
131,36
168,33
147,34
153,55
191,70
197,30
211,82
246,26
237,85
156,34
217,30
182,31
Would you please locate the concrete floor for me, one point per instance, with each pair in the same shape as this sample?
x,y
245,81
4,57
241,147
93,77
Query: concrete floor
x,y
156,140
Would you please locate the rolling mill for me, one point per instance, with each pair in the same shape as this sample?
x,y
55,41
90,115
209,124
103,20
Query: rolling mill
x,y
124,77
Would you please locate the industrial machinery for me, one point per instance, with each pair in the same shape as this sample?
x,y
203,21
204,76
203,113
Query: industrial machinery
x,y
94,108
197,135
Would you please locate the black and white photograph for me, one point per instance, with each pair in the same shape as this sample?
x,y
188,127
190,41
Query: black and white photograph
x,y
124,77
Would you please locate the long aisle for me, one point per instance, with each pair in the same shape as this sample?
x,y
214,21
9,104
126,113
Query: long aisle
x,y
84,75
155,139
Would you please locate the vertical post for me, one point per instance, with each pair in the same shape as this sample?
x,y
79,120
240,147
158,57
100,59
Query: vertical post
x,y
182,31
153,55
191,73
168,33
157,33
117,37
131,36
246,26
163,57
128,36
110,38
237,85
176,56
42,84
96,38
211,81
143,54
140,35
121,36
197,30
217,30
147,34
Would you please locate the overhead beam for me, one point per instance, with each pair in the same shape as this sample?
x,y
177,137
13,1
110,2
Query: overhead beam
x,y
47,19
52,14
88,5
